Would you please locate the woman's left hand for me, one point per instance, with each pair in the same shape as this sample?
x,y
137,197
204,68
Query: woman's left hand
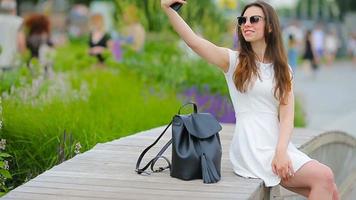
x,y
282,165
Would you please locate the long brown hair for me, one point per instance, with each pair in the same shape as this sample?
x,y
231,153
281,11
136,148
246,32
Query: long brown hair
x,y
37,24
247,69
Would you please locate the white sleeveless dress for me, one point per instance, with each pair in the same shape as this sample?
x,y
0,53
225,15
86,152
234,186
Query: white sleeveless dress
x,y
257,127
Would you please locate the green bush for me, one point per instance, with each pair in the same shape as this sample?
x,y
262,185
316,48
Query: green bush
x,y
4,166
165,63
299,115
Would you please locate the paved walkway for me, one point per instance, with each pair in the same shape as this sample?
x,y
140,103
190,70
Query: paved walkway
x,y
329,98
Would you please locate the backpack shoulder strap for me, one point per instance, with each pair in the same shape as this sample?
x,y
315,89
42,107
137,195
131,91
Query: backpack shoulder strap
x,y
159,155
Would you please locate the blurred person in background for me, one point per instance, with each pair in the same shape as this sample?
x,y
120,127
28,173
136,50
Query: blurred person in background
x,y
12,39
294,28
133,32
78,20
331,46
318,40
351,46
309,54
38,32
99,39
38,40
292,52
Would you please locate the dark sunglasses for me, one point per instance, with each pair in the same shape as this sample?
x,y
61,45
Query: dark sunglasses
x,y
253,20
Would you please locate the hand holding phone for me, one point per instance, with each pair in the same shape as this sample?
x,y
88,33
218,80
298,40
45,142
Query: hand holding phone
x,y
176,6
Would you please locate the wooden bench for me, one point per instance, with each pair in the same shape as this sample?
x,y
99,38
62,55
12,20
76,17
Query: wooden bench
x,y
107,172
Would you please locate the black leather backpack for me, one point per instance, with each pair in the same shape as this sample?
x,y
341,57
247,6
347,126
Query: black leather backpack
x,y
196,148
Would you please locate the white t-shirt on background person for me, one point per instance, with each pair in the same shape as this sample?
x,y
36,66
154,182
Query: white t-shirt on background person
x,y
9,27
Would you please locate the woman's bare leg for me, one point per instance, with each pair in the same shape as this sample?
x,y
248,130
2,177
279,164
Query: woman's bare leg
x,y
316,177
304,191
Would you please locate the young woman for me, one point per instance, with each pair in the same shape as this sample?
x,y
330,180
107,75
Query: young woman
x,y
260,86
99,40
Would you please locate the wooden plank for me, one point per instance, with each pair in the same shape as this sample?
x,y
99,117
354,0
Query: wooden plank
x,y
131,196
110,192
196,185
134,185
227,176
34,196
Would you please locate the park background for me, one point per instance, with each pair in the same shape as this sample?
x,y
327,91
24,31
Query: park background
x,y
49,116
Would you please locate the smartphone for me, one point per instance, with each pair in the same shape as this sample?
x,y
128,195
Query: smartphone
x,y
176,6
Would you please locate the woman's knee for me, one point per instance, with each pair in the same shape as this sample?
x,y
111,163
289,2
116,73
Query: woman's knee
x,y
329,178
335,193
325,177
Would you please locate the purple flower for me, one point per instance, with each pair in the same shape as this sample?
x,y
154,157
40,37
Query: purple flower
x,y
216,104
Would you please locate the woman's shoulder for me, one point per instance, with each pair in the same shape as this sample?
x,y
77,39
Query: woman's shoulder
x,y
233,60
233,55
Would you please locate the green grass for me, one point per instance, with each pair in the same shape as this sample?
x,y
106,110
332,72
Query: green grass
x,y
299,115
97,106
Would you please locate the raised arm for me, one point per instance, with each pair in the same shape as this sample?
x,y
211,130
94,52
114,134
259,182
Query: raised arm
x,y
210,52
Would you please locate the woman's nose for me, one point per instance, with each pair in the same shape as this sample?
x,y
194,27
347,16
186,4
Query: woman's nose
x,y
248,23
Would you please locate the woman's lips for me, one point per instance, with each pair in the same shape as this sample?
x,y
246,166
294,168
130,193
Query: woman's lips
x,y
248,32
